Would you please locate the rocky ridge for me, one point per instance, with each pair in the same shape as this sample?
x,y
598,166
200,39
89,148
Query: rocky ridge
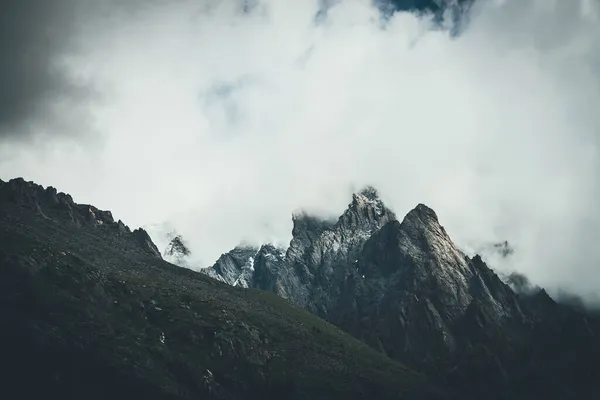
x,y
405,289
89,310
59,207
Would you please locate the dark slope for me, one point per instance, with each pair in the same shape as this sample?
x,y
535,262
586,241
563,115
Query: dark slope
x,y
405,289
90,310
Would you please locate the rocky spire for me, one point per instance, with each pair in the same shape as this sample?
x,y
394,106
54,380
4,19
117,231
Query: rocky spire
x,y
422,237
366,211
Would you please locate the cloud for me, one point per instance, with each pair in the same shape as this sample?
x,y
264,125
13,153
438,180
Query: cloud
x,y
34,34
223,117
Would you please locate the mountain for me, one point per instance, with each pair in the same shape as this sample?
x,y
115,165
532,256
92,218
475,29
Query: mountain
x,y
318,251
89,309
177,251
405,289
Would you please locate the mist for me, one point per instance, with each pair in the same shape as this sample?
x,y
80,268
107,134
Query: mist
x,y
221,118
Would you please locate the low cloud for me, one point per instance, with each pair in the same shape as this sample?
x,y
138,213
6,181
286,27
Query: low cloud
x,y
223,117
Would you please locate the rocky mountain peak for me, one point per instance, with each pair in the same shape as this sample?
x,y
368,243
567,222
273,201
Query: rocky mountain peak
x,y
368,266
422,216
177,251
421,254
423,235
178,246
368,192
366,211
318,245
48,203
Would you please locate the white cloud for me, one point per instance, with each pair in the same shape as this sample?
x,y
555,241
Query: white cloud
x,y
224,123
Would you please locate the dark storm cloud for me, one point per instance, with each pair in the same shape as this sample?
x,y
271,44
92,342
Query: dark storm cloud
x,y
39,94
36,93
33,35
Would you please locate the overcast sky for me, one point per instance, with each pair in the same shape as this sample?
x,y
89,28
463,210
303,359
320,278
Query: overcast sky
x,y
224,121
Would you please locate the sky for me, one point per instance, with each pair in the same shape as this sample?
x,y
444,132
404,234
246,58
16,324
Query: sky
x,y
221,118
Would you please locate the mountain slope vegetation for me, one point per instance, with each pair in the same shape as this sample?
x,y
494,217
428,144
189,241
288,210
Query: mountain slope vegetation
x,y
90,310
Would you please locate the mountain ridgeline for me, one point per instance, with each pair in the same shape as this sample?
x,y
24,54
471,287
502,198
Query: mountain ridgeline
x,y
406,290
90,310
362,307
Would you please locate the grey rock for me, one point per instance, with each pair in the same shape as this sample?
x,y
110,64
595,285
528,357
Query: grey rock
x,y
314,265
235,267
407,290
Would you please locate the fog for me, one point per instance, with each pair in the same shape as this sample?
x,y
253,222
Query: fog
x,y
221,118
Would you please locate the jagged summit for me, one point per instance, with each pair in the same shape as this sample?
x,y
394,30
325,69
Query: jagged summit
x,y
404,287
177,246
29,194
317,248
368,192
421,235
177,251
366,211
60,208
421,215
424,210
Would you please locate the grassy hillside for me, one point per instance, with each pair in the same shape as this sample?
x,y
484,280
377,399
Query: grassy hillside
x,y
87,312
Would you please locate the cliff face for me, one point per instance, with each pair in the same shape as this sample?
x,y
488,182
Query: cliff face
x,y
309,271
405,289
424,287
90,310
